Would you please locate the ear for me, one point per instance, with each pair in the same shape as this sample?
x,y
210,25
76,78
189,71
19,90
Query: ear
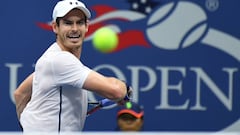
x,y
87,25
55,27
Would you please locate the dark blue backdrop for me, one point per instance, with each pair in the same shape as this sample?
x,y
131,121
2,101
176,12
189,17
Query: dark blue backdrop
x,y
181,57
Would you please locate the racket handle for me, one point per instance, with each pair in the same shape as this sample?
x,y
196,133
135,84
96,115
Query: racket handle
x,y
129,94
106,102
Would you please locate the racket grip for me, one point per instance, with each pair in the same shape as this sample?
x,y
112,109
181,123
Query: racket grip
x,y
106,102
129,94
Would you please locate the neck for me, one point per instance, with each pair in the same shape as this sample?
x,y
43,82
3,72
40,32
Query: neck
x,y
76,51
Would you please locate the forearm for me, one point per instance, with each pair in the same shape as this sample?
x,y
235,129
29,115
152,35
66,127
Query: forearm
x,y
108,87
21,102
22,94
119,86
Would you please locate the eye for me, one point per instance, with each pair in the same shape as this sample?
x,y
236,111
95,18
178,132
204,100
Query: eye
x,y
81,22
67,22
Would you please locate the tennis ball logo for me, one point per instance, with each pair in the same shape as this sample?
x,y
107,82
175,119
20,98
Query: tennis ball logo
x,y
176,26
105,40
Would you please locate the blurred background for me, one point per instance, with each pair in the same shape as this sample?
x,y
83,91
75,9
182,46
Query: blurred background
x,y
180,56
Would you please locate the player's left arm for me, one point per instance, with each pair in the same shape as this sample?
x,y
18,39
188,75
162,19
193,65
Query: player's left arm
x,y
22,94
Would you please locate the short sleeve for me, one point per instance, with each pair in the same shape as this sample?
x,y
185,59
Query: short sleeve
x,y
68,70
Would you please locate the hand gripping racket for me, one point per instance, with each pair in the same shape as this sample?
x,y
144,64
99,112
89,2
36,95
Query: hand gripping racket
x,y
107,102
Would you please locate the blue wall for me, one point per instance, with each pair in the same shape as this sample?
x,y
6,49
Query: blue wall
x,y
181,57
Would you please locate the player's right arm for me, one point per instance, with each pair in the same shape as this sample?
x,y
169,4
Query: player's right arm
x,y
22,94
109,87
73,72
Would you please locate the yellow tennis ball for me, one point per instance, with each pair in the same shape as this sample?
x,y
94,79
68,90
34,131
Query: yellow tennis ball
x,y
105,40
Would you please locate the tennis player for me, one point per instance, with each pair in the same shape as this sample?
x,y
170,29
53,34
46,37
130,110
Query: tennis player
x,y
53,99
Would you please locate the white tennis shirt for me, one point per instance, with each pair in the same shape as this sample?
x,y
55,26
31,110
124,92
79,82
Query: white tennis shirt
x,y
58,102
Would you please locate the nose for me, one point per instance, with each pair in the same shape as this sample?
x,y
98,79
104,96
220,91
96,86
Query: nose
x,y
75,27
129,121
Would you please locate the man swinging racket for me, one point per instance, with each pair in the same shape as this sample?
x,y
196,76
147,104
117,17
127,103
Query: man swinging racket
x,y
53,99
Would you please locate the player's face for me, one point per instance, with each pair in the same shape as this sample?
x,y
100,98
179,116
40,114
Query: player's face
x,y
71,30
130,124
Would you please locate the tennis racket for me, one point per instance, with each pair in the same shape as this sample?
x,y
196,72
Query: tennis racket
x,y
107,102
100,104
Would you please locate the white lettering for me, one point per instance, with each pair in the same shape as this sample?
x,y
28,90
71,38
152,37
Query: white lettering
x,y
166,87
135,74
13,77
203,77
171,80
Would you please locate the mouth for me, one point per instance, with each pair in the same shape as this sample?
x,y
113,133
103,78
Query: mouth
x,y
74,38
